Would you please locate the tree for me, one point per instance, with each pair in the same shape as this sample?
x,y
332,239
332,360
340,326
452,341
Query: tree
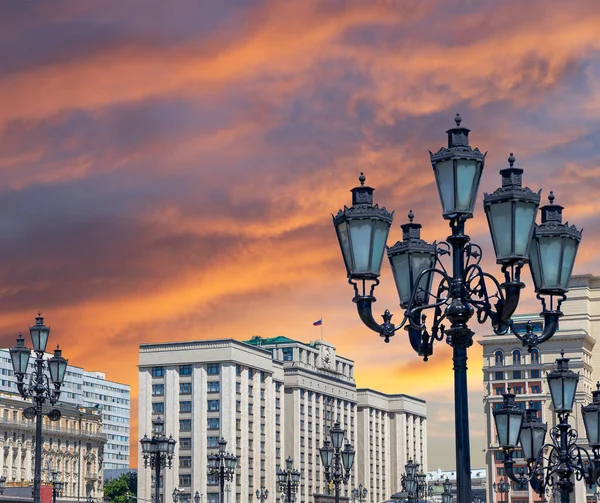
x,y
116,490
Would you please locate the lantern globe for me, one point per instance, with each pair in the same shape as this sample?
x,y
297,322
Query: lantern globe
x,y
337,434
146,443
197,497
411,468
562,382
295,476
39,334
362,232
289,462
326,454
171,445
508,419
591,419
19,356
213,461
348,457
533,435
57,365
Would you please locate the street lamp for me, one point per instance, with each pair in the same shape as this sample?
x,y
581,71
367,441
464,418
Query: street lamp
x,y
337,461
362,231
564,457
177,493
158,453
413,483
262,493
503,488
2,484
40,388
359,493
221,466
288,481
197,497
447,494
57,485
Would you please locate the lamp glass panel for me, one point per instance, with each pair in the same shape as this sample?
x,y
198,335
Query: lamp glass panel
x,y
446,498
360,240
421,262
524,220
569,252
381,229
501,421
39,338
53,368
501,219
326,456
62,369
592,425
534,263
444,178
556,393
337,437
20,360
526,440
342,232
538,438
400,266
467,179
347,458
550,248
514,428
569,389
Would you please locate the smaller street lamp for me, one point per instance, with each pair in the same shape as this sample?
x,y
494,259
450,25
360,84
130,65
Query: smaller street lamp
x,y
2,484
158,453
503,488
197,497
288,481
57,485
337,461
262,493
222,466
359,493
177,494
447,494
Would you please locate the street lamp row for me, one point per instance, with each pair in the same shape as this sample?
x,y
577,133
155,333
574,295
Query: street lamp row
x,y
464,289
337,461
158,452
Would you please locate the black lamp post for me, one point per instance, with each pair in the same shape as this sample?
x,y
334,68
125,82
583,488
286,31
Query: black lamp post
x,y
57,485
447,494
197,497
177,494
158,452
503,488
554,463
288,480
221,466
359,493
337,461
2,484
262,494
40,388
413,482
362,232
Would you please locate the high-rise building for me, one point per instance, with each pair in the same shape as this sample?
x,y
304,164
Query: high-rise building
x,y
287,396
506,362
89,389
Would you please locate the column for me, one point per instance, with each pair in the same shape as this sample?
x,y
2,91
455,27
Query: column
x,y
170,476
144,428
199,431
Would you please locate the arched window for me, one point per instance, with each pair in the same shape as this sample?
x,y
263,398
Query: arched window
x,y
535,355
499,357
516,357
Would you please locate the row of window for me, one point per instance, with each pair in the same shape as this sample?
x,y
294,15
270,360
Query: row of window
x,y
185,388
517,374
517,357
186,370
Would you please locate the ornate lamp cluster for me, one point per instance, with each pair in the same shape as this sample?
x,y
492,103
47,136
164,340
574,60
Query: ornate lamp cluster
x,y
158,452
457,294
503,488
414,482
40,389
221,467
359,493
447,494
178,496
337,461
288,481
553,463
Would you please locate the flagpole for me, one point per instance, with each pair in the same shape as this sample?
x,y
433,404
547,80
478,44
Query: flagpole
x,y
322,328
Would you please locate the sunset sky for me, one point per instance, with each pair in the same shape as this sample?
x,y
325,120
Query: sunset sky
x,y
169,167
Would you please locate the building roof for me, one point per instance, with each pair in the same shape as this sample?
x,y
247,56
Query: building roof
x,y
257,340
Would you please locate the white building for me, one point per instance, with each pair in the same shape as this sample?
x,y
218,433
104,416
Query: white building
x,y
304,389
89,389
506,362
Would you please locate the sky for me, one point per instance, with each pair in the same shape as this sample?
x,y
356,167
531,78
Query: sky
x,y
168,169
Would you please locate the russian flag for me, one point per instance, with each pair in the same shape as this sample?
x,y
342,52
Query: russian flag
x,y
318,323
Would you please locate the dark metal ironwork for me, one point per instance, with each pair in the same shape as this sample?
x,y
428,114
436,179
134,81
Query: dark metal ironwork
x,y
197,497
336,460
40,388
2,484
465,290
359,493
414,484
555,463
447,494
262,494
502,488
158,453
288,481
57,485
221,467
177,493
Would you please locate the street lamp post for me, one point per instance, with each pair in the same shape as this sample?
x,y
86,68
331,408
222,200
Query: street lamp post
x,y
158,453
447,494
262,493
40,388
413,483
359,493
337,461
464,289
556,462
288,481
503,488
57,485
197,497
221,466
177,494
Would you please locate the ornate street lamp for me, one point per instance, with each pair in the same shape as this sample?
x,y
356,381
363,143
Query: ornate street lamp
x,y
57,485
288,481
359,493
554,463
262,494
503,488
40,389
337,461
413,483
197,497
447,494
158,453
464,289
221,467
177,493
2,484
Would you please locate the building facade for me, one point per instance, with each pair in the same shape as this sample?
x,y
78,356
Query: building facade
x,y
270,399
73,446
506,363
89,389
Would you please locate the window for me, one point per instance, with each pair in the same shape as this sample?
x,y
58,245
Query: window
x,y
213,405
185,425
288,354
499,358
214,386
213,369
536,389
499,390
158,389
214,423
238,387
277,405
185,461
212,442
158,408
185,480
185,406
185,388
158,371
185,370
185,443
535,355
516,374
249,390
238,370
517,390
535,373
498,376
516,355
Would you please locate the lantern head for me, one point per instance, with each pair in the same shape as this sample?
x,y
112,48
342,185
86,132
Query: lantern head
x,y
533,434
508,419
562,382
20,357
39,334
57,366
591,419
